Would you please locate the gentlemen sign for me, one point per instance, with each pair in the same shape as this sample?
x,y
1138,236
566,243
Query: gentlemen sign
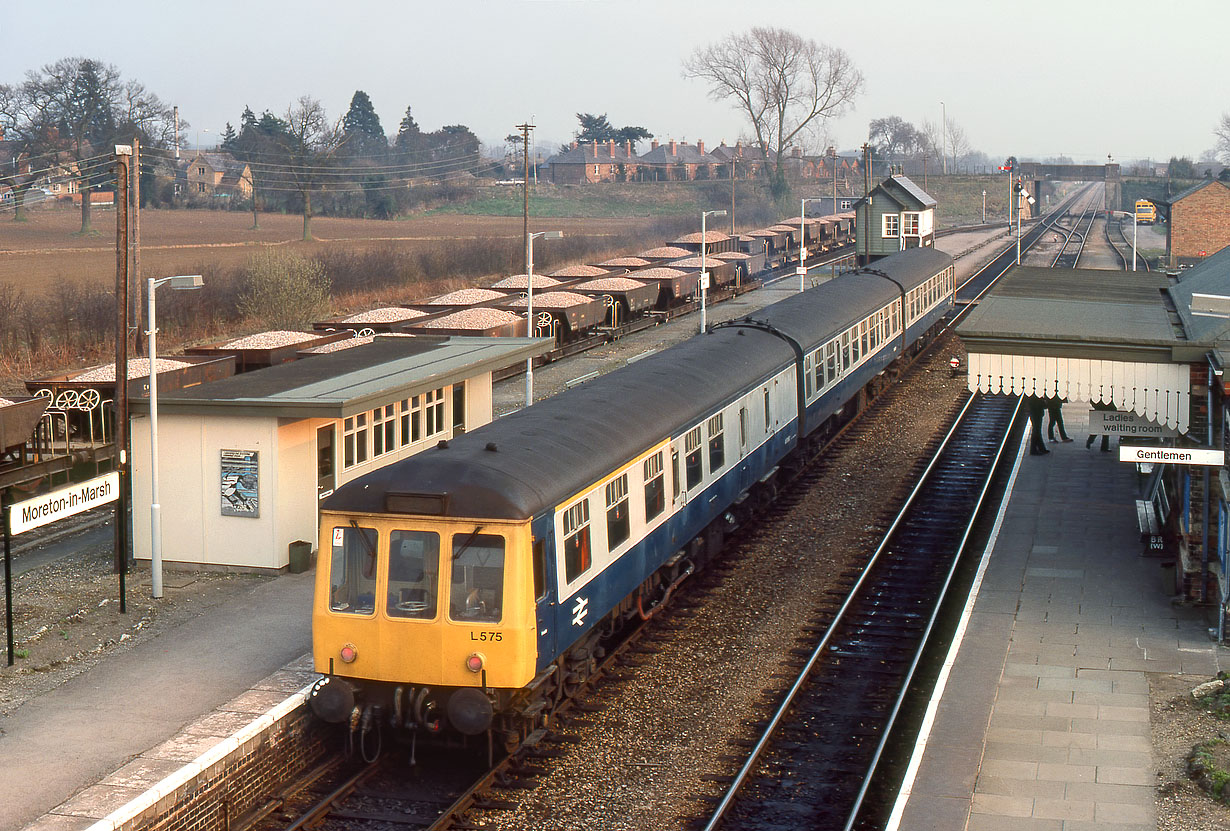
x,y
50,507
1126,424
1172,455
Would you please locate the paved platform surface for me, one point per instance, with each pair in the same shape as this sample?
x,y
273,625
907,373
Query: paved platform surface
x,y
1044,724
133,718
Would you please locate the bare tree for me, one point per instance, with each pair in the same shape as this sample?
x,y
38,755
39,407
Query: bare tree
x,y
929,145
27,137
892,136
1222,131
83,108
957,143
781,82
311,143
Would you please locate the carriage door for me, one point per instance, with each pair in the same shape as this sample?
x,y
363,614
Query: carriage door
x,y
545,592
325,461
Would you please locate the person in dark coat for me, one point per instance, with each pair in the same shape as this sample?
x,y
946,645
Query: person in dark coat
x,y
1106,407
1054,411
1037,447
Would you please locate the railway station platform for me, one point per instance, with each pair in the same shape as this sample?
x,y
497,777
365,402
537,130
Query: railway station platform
x,y
1043,719
73,755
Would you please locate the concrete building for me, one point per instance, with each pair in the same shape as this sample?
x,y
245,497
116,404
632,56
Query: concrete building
x,y
243,461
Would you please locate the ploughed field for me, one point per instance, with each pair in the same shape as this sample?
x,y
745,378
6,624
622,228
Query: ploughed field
x,y
48,246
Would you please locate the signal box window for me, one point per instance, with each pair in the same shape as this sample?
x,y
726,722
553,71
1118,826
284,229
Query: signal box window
x,y
691,461
577,553
617,530
891,229
478,578
655,487
414,574
911,225
352,571
717,443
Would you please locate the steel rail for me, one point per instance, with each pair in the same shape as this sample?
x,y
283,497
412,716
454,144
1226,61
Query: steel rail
x,y
851,598
890,723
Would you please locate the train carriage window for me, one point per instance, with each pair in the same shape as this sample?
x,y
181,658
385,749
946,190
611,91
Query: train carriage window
x,y
845,351
414,574
807,376
655,487
477,592
617,527
862,335
768,422
577,554
854,353
352,570
743,425
717,444
540,569
830,362
692,466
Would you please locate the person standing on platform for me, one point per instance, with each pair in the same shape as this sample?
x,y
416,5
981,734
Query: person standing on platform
x,y
1104,407
1037,447
1054,411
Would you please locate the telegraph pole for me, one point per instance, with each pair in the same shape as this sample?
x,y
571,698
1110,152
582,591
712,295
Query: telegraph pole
x,y
120,433
134,303
525,208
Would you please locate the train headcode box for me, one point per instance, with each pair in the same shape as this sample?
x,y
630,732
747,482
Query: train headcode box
x,y
1114,423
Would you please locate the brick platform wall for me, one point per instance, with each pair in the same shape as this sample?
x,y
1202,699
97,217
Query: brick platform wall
x,y
1201,222
245,779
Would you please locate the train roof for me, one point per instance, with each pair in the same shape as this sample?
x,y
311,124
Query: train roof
x,y
562,445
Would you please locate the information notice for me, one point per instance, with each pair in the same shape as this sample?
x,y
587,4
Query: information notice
x,y
65,502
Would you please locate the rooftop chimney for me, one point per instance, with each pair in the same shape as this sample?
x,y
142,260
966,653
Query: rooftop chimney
x,y
674,148
610,147
628,148
653,145
700,147
574,145
594,142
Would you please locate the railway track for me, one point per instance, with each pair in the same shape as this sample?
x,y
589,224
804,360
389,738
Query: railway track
x,y
1069,255
822,744
1119,247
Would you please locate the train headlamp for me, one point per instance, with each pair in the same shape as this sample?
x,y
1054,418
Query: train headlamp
x,y
475,661
349,653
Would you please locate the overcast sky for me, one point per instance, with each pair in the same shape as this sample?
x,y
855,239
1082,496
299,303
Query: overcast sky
x,y
1082,78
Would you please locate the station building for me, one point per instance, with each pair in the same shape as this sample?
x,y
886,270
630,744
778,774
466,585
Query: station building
x,y
1137,342
244,461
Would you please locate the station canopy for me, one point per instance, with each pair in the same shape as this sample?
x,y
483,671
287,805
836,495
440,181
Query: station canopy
x,y
1115,337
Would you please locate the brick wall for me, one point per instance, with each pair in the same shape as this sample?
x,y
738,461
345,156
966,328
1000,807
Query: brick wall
x,y
220,795
1201,222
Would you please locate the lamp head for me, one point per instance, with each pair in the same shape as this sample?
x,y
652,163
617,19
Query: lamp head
x,y
186,281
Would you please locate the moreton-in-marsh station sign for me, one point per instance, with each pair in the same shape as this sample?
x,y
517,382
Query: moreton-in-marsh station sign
x,y
54,506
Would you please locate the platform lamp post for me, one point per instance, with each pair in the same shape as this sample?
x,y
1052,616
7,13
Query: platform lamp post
x,y
529,304
1135,223
181,283
704,275
803,241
